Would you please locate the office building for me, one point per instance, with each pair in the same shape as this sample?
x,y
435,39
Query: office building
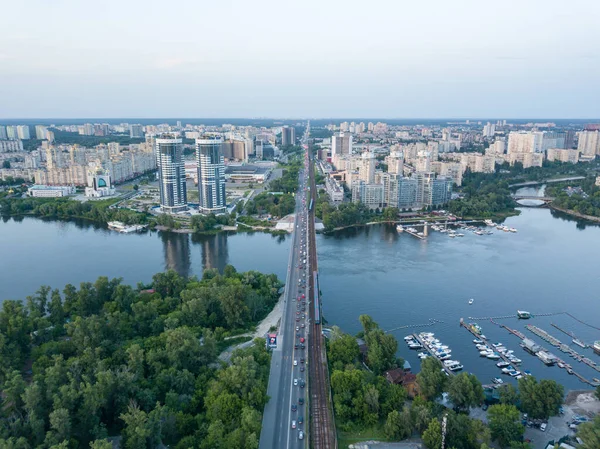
x,y
136,131
589,143
288,135
171,173
211,174
44,191
341,144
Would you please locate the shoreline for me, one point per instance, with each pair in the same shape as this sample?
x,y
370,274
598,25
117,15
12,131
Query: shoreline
x,y
574,213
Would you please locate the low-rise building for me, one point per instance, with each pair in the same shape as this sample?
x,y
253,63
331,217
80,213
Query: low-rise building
x,y
44,191
247,173
559,154
334,190
99,184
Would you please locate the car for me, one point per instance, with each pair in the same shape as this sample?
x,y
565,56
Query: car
x,y
300,401
296,346
297,319
301,360
295,382
303,316
302,325
300,435
300,419
484,407
294,408
543,427
302,346
293,424
295,362
302,384
297,328
302,368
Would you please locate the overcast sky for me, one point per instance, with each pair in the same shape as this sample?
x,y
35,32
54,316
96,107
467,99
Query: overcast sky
x,y
304,58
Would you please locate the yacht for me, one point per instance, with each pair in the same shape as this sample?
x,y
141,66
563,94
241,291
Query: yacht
x,y
579,343
502,364
123,228
478,342
497,380
408,337
523,315
493,356
489,222
457,367
512,229
399,228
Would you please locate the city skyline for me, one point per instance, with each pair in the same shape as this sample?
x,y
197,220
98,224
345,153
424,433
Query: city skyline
x,y
391,60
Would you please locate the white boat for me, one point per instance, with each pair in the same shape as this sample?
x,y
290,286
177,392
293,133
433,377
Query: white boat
x,y
408,337
471,301
399,228
484,353
477,341
502,364
444,357
497,380
452,235
512,229
493,356
455,367
123,228
489,222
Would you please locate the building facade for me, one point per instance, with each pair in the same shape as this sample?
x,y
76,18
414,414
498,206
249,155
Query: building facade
x,y
341,144
288,135
211,174
171,173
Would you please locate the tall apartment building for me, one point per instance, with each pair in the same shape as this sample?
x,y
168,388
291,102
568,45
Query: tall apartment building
x,y
171,173
341,144
371,195
367,168
525,142
589,143
489,130
23,132
10,146
527,159
395,162
211,174
41,132
288,135
496,148
136,131
3,135
11,132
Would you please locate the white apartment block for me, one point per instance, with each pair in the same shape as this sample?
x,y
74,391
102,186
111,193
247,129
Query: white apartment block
x,y
559,154
527,159
589,143
525,142
10,146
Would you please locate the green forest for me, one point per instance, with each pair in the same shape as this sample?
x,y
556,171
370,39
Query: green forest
x,y
105,360
587,205
100,211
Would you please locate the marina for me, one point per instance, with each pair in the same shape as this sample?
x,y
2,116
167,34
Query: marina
x,y
123,228
435,348
448,227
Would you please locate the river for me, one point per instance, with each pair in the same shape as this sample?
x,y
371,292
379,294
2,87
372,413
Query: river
x,y
547,266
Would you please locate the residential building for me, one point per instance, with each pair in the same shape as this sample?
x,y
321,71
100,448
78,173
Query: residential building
x,y
10,146
11,132
41,132
478,163
367,168
334,189
211,174
527,159
341,144
489,130
589,143
60,176
496,148
559,154
391,188
136,131
44,191
288,135
171,173
371,195
525,142
395,162
3,135
407,193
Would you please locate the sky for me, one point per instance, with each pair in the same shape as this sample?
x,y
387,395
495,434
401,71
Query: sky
x,y
309,58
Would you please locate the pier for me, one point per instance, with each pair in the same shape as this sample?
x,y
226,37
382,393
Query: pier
x,y
414,234
485,340
431,353
505,317
566,366
570,334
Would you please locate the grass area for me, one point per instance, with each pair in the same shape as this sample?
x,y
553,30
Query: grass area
x,y
370,433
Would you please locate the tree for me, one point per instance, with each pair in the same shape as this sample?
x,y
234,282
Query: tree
x,y
598,391
465,391
504,422
508,394
540,400
398,425
432,437
432,380
343,350
101,444
590,434
6,164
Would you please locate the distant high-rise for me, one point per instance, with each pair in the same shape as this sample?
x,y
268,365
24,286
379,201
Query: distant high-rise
x,y
41,132
11,132
211,174
3,135
341,144
367,168
288,136
23,132
136,131
171,173
589,143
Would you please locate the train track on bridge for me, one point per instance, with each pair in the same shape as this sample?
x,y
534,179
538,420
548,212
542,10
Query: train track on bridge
x,y
322,426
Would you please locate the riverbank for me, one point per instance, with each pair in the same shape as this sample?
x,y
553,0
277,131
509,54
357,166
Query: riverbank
x,y
574,213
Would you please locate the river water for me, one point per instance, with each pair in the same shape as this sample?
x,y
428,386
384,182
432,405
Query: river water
x,y
547,266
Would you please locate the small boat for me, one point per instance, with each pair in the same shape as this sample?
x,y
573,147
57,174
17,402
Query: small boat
x,y
579,343
523,315
493,356
515,373
471,301
502,364
460,235
512,230
399,228
489,222
478,342
497,380
484,353
452,235
408,337
455,367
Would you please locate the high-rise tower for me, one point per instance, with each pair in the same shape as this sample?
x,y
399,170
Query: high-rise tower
x,y
171,172
211,174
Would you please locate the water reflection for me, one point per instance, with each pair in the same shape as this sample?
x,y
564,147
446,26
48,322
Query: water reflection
x,y
176,249
214,250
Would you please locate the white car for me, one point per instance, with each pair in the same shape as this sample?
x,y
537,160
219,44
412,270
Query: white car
x,y
295,382
543,426
293,424
297,328
295,362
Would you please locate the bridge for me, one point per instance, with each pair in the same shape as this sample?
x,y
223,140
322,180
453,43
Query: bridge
x,y
299,413
545,181
545,199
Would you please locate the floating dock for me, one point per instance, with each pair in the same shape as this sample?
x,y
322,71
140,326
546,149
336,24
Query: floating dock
x,y
426,348
486,341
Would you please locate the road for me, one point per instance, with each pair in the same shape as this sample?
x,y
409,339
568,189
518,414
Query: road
x,y
277,431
